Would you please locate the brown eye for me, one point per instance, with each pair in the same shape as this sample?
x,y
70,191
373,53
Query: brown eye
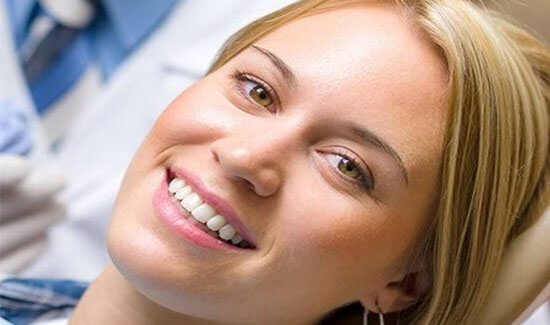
x,y
258,91
348,167
260,96
352,168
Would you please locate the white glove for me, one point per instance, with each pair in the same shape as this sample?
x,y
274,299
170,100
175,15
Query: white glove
x,y
27,209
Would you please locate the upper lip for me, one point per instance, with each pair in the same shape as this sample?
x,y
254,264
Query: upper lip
x,y
215,201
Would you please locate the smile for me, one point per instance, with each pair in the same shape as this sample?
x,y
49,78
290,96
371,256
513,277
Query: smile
x,y
195,213
211,222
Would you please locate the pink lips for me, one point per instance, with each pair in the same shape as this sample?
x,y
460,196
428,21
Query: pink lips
x,y
174,218
214,201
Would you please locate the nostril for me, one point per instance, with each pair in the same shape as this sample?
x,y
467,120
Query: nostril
x,y
215,155
245,183
248,184
246,169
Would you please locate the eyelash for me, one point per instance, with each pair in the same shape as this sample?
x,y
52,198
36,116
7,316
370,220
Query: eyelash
x,y
240,77
368,180
367,183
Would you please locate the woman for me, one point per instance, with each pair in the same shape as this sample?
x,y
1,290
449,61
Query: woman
x,y
337,155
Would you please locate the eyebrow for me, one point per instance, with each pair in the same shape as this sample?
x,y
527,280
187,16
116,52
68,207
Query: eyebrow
x,y
371,138
363,133
285,70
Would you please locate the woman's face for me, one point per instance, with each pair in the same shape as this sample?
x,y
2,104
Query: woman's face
x,y
324,138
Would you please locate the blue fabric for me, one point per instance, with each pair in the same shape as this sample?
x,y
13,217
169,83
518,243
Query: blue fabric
x,y
61,75
15,132
122,26
23,301
118,28
20,13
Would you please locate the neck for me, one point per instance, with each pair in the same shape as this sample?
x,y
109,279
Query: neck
x,y
112,300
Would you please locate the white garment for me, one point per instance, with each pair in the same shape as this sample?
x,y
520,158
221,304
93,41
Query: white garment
x,y
59,321
540,317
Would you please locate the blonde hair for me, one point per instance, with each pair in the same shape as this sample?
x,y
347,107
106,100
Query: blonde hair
x,y
495,176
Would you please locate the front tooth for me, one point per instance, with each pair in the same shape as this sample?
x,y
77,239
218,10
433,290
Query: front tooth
x,y
236,239
227,232
216,222
203,212
183,192
175,185
191,201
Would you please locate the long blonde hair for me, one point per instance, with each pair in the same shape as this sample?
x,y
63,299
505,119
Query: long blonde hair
x,y
495,176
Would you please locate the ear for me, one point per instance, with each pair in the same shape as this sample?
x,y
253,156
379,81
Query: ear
x,y
400,294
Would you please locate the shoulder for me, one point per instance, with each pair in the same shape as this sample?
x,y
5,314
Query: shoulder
x,y
23,300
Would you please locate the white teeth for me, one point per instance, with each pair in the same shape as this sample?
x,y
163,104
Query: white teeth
x,y
191,201
183,192
236,239
227,232
203,212
175,185
216,222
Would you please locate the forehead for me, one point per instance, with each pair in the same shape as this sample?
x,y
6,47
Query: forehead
x,y
367,63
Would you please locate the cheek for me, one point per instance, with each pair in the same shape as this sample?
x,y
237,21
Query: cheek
x,y
325,225
334,233
199,114
344,239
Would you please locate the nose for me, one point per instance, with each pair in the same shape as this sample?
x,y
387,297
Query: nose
x,y
255,158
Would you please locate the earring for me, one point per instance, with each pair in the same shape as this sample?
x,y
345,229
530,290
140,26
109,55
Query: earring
x,y
380,313
366,317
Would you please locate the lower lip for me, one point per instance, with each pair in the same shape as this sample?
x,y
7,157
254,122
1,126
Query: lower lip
x,y
167,211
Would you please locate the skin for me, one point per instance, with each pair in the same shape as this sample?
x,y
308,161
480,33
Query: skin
x,y
322,241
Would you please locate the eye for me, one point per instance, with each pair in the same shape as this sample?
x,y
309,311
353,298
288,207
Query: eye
x,y
255,90
348,167
257,93
345,165
352,168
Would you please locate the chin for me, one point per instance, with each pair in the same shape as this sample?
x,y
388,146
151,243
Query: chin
x,y
155,262
178,289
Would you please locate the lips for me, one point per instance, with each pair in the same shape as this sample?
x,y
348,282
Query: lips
x,y
181,221
216,202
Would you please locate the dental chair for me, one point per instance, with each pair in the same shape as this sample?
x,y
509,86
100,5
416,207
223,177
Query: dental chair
x,y
523,282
